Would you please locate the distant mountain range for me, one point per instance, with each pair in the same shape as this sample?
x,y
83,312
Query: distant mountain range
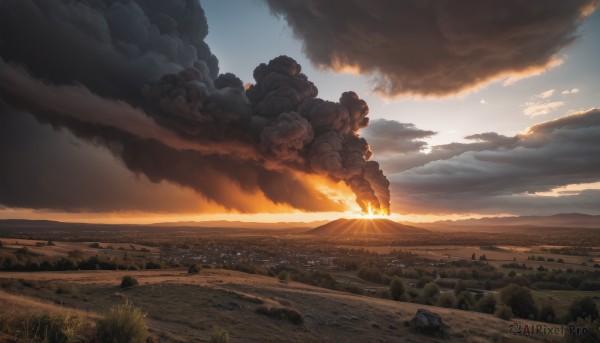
x,y
340,226
240,224
359,227
49,225
563,220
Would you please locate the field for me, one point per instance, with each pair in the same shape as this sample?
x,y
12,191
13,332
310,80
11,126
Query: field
x,y
184,308
292,286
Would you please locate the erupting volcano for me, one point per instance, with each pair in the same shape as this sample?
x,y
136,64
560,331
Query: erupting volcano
x,y
365,227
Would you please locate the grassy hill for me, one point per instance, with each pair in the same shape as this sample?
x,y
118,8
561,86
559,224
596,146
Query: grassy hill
x,y
184,307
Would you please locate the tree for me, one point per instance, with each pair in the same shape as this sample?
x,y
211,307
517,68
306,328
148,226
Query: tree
x,y
519,299
465,300
460,287
473,256
487,304
582,308
430,293
397,289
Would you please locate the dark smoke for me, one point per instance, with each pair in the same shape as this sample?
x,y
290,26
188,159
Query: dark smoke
x,y
434,47
137,78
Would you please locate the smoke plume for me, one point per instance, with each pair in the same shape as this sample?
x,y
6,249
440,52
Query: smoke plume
x,y
434,47
137,78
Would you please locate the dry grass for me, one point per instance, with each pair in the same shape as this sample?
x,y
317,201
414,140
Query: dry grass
x,y
181,308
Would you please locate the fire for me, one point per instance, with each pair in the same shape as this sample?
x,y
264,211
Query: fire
x,y
373,213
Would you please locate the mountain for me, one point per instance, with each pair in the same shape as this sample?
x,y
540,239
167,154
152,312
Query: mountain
x,y
562,220
240,224
357,227
45,225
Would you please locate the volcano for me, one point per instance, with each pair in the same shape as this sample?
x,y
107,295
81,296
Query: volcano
x,y
361,227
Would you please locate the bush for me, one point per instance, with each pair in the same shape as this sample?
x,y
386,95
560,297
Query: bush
x,y
503,312
371,274
397,289
122,324
61,328
423,281
128,282
460,287
487,304
446,300
465,300
582,308
284,276
520,301
429,293
219,335
194,269
547,314
487,285
281,312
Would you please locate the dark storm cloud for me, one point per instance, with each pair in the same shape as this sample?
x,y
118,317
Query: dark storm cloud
x,y
437,47
44,168
390,136
137,78
501,174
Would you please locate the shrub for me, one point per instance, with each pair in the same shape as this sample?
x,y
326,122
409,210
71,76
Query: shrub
x,y
397,289
128,282
371,274
547,314
460,287
122,324
95,245
62,327
582,308
219,335
429,293
520,301
503,312
284,276
487,304
194,269
465,300
423,281
281,312
446,300
487,285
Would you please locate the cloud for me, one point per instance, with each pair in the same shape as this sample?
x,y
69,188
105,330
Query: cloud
x,y
390,136
534,109
546,94
483,102
434,48
45,168
137,78
570,91
505,175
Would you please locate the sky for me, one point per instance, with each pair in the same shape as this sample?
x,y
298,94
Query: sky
x,y
116,113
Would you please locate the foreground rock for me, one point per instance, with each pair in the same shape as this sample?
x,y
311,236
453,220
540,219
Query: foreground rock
x,y
429,323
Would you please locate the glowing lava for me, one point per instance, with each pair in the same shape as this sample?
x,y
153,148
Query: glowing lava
x,y
373,213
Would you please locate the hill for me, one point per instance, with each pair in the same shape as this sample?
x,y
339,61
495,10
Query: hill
x,y
185,308
532,223
358,227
